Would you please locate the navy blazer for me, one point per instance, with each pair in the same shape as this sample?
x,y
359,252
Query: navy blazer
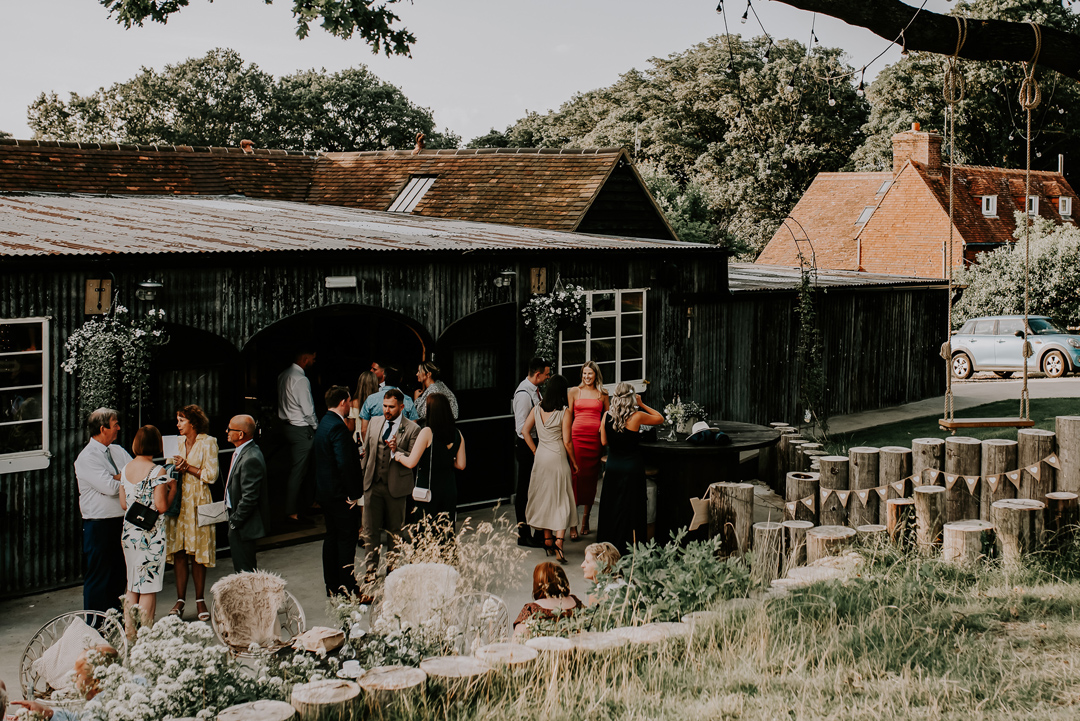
x,y
337,461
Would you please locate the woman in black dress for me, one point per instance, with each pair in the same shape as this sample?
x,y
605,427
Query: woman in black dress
x,y
622,499
438,452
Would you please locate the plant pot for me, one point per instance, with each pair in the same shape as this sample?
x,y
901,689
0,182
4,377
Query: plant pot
x,y
686,426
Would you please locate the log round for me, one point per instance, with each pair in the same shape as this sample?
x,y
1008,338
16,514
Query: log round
x,y
863,465
595,641
768,550
900,520
1068,451
673,629
796,461
1061,517
894,466
779,424
1035,444
776,471
783,458
329,699
927,454
550,644
264,710
645,634
457,667
871,533
1019,523
833,476
965,542
998,457
731,514
802,485
929,517
506,654
795,543
963,457
823,541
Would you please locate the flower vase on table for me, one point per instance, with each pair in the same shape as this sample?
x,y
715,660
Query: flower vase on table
x,y
667,433
686,425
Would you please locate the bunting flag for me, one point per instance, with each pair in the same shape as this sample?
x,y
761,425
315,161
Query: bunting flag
x,y
808,502
843,496
864,496
899,486
790,509
993,481
971,482
1014,478
1035,470
950,480
1054,461
883,491
933,473
825,494
701,512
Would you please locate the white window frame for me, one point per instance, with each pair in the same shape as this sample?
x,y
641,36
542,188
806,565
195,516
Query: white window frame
x,y
1033,205
411,195
1065,206
639,384
989,206
37,459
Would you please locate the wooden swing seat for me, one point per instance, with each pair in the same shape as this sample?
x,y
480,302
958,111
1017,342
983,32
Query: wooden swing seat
x,y
955,423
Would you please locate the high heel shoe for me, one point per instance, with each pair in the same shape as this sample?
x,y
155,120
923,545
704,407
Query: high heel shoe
x,y
549,547
559,551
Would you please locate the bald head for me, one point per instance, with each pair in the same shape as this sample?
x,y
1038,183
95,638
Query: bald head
x,y
241,429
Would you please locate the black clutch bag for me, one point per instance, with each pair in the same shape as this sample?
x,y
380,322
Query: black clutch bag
x,y
141,516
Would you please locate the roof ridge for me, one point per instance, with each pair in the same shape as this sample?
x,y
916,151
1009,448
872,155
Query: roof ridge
x,y
607,150
150,148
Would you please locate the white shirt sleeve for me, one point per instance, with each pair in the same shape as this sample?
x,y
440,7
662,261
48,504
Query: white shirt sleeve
x,y
302,390
92,469
523,406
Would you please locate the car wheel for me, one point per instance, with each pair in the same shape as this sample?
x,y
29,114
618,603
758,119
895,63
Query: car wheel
x,y
1054,364
1003,374
961,366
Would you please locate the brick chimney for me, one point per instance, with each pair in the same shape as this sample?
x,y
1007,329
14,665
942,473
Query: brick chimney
x,y
922,147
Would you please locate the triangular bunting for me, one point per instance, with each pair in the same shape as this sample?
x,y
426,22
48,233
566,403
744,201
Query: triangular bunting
x,y
971,482
883,492
950,480
790,509
701,513
843,496
1054,461
808,502
864,496
1035,470
825,494
1014,478
933,473
899,487
993,481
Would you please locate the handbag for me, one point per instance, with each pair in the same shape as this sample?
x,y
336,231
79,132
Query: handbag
x,y
139,514
171,474
423,495
209,514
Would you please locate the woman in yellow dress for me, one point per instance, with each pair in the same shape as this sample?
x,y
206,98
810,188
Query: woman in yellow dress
x,y
190,546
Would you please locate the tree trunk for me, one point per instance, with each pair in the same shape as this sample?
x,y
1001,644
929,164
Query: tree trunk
x,y
795,553
1068,442
927,454
834,476
1062,515
330,699
799,486
259,711
863,476
1035,444
929,517
768,551
767,464
965,542
1019,523
796,461
900,519
783,466
998,456
894,467
823,541
731,514
937,33
963,457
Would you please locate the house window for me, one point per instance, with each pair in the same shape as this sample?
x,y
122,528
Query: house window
x,y
1065,206
989,205
884,186
411,194
865,215
1033,205
614,338
24,394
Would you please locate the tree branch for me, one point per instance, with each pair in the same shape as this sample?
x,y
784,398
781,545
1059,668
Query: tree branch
x,y
937,33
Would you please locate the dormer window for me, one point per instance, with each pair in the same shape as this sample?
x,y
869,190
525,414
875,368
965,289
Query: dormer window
x,y
989,206
1065,206
411,194
1033,205
865,215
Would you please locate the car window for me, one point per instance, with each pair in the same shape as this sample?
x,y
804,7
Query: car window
x,y
968,328
1041,326
1009,327
984,327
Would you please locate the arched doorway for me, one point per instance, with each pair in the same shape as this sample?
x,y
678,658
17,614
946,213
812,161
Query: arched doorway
x,y
199,368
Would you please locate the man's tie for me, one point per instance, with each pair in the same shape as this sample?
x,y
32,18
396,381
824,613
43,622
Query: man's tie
x,y
386,433
112,463
538,398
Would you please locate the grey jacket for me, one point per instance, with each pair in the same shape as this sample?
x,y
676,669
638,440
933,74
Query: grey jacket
x,y
400,482
248,493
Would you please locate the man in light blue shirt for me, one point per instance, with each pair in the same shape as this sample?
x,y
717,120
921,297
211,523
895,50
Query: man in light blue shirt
x,y
373,404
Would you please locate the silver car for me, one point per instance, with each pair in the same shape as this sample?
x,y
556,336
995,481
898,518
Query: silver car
x,y
995,343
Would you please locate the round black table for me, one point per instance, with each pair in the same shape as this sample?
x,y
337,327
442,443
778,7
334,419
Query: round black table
x,y
687,470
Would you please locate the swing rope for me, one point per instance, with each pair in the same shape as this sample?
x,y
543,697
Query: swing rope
x,y
1030,97
953,88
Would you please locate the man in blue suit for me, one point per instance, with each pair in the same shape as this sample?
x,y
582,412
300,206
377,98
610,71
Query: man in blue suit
x,y
338,488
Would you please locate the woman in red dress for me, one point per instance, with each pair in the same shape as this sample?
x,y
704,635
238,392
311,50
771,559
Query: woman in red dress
x,y
588,401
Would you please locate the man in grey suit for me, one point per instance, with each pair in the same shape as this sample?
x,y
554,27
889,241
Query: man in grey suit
x,y
387,483
245,493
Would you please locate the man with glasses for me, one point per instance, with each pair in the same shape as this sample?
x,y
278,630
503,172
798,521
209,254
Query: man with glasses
x,y
245,493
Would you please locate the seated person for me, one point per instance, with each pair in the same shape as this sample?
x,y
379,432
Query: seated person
x,y
551,594
85,682
600,560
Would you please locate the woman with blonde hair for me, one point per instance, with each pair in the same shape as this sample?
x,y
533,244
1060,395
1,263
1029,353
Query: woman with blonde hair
x,y
588,401
623,499
367,384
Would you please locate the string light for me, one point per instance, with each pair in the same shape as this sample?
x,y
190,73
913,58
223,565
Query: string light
x,y
720,6
832,100
767,51
746,14
861,91
903,45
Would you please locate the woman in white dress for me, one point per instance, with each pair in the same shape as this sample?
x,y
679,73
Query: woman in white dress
x,y
551,503
144,550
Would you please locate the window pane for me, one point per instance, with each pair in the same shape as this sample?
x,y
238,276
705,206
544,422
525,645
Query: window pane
x,y
20,405
632,302
631,323
577,332
1009,327
23,369
602,350
572,374
21,437
602,327
573,353
608,371
631,348
631,371
984,327
19,337
603,302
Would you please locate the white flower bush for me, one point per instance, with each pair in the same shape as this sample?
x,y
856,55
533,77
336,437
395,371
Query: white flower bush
x,y
546,315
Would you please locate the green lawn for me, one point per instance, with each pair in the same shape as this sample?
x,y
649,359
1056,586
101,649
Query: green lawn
x,y
1043,411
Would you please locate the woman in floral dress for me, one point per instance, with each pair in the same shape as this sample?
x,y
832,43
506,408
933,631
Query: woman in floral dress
x,y
189,545
144,551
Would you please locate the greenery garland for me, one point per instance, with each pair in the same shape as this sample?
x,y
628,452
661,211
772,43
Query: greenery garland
x,y
810,357
546,315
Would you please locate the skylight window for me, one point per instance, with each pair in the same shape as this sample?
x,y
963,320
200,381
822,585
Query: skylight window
x,y
410,196
1065,206
865,215
989,205
884,186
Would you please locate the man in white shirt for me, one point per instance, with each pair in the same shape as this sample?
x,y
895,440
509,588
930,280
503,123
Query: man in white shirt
x,y
97,470
296,407
526,397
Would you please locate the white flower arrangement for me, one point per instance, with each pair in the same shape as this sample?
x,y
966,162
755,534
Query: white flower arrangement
x,y
546,315
678,412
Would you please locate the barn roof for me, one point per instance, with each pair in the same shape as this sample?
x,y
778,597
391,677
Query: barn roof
x,y
746,277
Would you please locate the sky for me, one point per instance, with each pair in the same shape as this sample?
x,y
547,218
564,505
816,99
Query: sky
x,y
477,64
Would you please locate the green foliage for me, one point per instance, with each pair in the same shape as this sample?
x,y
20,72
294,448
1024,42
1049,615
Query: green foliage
x,y
491,139
218,100
4,134
685,205
810,357
342,18
996,282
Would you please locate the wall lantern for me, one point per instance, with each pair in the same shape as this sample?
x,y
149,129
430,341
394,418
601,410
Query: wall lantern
x,y
505,279
148,289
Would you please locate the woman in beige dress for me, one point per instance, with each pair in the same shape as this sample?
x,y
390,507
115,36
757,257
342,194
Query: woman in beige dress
x,y
551,503
189,545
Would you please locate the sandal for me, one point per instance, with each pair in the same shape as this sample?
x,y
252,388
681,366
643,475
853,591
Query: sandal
x,y
574,535
559,551
203,615
178,609
549,547
585,530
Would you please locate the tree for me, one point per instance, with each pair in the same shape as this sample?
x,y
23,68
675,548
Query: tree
x,y
491,139
4,134
343,18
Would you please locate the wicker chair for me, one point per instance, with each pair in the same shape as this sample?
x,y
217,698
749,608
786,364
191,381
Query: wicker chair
x,y
291,622
479,619
36,687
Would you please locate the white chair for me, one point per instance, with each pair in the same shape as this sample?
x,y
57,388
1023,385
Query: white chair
x,y
34,685
476,620
253,614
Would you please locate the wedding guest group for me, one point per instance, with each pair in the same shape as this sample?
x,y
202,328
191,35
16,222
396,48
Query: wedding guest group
x,y
373,404
526,397
438,453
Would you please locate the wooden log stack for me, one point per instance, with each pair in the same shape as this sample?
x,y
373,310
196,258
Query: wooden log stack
x,y
834,476
900,520
894,469
800,485
768,551
1068,451
1035,444
1019,523
927,454
795,543
929,517
863,466
731,516
965,542
1061,517
998,458
822,541
963,462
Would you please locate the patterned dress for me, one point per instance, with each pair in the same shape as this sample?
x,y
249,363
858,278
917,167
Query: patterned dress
x,y
183,532
144,551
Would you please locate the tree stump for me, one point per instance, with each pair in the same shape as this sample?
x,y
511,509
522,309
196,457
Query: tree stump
x,y
513,655
894,471
329,699
1019,523
596,641
264,710
457,674
778,473
1035,444
927,454
802,485
822,541
929,517
768,551
863,465
549,644
795,546
783,465
963,460
731,514
871,533
998,457
796,461
1068,451
965,542
832,511
900,520
1062,515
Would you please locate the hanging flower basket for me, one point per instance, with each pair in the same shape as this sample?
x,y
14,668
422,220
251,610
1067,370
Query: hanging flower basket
x,y
546,315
